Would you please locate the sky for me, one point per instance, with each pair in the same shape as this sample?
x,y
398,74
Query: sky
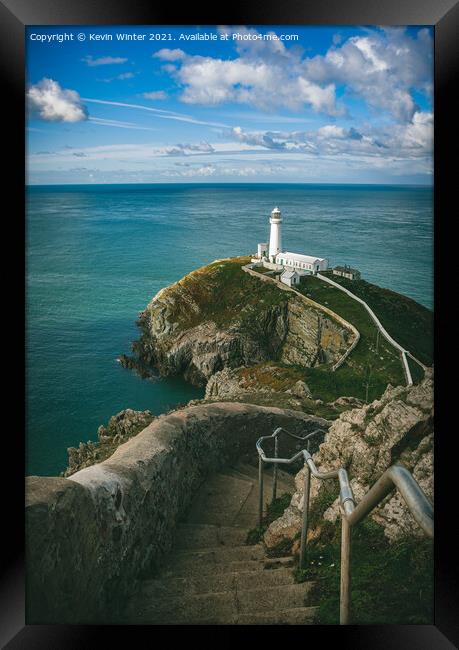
x,y
229,104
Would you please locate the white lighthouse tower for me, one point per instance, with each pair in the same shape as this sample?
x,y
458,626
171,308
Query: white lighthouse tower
x,y
275,240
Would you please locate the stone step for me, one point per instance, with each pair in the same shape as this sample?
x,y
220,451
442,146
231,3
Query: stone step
x,y
200,536
192,568
219,500
219,555
220,582
252,472
219,607
276,597
211,609
282,486
294,616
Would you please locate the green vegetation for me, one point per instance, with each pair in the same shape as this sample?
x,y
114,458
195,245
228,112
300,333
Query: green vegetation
x,y
221,292
391,583
410,323
274,510
225,295
272,376
373,363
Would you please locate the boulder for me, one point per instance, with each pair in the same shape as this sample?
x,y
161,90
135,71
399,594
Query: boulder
x,y
397,428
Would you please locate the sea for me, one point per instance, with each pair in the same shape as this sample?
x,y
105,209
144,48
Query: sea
x,y
97,254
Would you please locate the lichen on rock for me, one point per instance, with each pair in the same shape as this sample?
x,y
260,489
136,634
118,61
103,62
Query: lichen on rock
x,y
397,428
119,429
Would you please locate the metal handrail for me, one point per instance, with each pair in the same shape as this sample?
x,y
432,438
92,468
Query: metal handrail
x,y
395,477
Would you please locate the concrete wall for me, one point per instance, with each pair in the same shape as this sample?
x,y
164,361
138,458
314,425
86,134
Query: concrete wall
x,y
91,537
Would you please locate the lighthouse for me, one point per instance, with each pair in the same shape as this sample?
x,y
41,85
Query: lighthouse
x,y
275,241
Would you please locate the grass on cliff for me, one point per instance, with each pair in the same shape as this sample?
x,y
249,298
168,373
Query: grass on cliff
x,y
390,583
224,294
373,363
221,292
410,323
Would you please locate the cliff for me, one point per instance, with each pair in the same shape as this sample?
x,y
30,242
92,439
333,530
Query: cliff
x,y
220,317
397,428
120,428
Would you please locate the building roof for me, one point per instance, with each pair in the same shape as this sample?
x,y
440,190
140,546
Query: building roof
x,y
309,259
347,269
288,275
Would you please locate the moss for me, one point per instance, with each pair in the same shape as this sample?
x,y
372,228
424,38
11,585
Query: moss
x,y
327,494
242,298
283,548
271,376
274,510
391,583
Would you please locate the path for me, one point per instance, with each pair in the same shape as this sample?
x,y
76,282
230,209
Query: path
x,y
211,575
379,325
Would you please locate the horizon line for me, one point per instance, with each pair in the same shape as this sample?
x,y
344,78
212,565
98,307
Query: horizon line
x,y
227,183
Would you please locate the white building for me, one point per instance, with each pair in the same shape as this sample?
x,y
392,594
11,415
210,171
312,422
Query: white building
x,y
346,272
306,263
290,278
262,250
273,257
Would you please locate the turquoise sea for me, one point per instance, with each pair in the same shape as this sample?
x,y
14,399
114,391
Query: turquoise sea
x,y
97,254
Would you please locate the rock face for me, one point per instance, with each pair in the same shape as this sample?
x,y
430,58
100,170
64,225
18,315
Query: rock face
x,y
119,429
220,317
266,383
398,428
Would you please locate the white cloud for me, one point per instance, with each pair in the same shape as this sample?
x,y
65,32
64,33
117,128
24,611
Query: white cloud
x,y
185,149
126,75
169,55
55,104
382,68
156,95
402,141
103,60
255,82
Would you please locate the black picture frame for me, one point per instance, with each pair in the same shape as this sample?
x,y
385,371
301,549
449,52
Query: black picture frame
x,y
443,14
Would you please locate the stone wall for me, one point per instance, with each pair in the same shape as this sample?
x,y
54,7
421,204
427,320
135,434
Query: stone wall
x,y
91,537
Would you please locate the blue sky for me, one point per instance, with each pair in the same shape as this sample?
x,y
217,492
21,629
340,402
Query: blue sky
x,y
250,104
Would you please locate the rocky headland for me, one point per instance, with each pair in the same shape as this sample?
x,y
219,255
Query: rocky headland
x,y
218,317
253,342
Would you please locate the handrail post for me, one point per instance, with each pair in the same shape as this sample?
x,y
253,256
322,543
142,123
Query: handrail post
x,y
276,455
260,491
305,522
345,583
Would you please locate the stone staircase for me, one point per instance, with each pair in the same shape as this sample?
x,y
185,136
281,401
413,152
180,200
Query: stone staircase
x,y
211,575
